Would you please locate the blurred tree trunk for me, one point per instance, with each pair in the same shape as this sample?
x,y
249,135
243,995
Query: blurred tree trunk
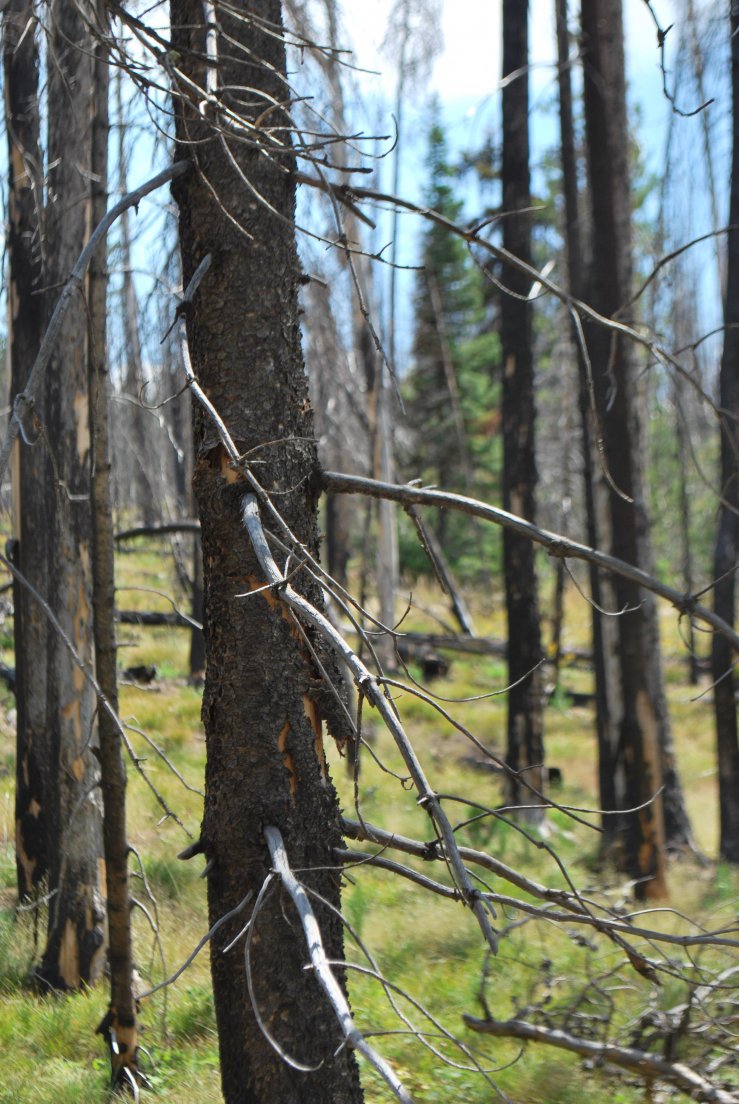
x,y
34,774
608,704
265,761
75,950
644,751
119,1024
726,550
525,738
138,446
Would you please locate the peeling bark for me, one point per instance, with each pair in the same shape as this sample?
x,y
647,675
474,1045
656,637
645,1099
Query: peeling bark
x,y
75,950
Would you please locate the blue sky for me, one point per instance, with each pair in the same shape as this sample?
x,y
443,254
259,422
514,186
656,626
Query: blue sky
x,y
466,74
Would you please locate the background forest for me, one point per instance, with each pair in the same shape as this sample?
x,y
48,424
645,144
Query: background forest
x,y
370,485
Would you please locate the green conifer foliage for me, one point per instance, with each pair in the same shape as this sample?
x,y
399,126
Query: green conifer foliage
x,y
451,397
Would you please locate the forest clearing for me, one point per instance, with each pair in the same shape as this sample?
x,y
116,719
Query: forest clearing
x,y
433,953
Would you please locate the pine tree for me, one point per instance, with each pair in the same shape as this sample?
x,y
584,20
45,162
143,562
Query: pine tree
x,y
451,398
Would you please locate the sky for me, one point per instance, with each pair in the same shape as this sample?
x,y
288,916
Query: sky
x,y
468,67
466,76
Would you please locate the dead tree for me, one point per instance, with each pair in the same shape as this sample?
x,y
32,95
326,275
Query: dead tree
x,y
726,550
525,741
265,760
57,731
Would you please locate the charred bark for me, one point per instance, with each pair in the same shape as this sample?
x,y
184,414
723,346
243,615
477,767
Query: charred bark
x,y
265,762
119,1025
25,270
196,658
75,950
643,760
608,706
726,552
58,823
525,739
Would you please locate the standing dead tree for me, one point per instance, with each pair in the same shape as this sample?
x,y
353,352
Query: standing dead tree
x,y
726,553
59,842
272,832
525,739
262,714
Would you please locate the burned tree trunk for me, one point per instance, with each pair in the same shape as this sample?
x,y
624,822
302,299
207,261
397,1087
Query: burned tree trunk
x,y
726,551
643,759
75,950
56,721
525,741
119,1025
24,233
608,705
265,761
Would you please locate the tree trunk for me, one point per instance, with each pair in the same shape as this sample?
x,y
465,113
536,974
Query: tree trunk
x,y
58,816
682,455
75,950
525,740
119,1025
196,658
726,550
265,762
24,244
143,495
644,735
608,705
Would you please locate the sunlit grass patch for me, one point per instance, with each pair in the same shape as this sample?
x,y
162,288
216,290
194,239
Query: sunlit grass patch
x,y
193,1017
427,946
17,946
171,877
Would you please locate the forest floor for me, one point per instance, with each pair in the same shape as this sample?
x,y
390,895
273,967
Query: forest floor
x,y
429,947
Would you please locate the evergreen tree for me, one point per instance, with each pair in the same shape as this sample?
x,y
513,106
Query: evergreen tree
x,y
451,399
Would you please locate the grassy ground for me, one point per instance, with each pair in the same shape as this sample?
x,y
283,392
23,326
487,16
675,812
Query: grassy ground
x,y
428,947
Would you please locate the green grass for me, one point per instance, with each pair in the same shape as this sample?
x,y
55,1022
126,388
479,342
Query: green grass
x,y
428,947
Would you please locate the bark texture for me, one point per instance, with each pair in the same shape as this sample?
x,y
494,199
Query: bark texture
x,y
643,758
75,950
726,551
265,762
119,1024
25,322
604,629
525,740
58,823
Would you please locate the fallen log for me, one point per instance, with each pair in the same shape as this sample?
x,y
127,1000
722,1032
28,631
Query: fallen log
x,y
149,617
483,645
188,525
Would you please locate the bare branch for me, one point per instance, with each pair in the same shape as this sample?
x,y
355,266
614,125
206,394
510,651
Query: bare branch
x,y
647,1065
555,544
324,973
187,525
191,957
575,913
473,236
372,690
